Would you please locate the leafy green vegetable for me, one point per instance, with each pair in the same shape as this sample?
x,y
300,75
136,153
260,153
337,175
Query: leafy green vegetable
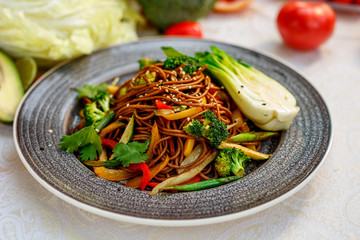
x,y
174,62
86,139
92,91
126,154
213,129
143,62
194,128
262,99
51,31
231,160
92,114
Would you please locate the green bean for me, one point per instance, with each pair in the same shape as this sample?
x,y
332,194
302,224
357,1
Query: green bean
x,y
203,184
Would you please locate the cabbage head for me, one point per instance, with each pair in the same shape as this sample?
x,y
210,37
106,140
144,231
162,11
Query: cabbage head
x,y
54,30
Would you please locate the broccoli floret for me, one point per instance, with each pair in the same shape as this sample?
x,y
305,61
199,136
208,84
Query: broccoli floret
x,y
92,114
103,98
215,130
150,76
143,62
231,160
174,62
194,128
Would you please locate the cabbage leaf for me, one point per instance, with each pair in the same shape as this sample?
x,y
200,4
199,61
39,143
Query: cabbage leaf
x,y
54,30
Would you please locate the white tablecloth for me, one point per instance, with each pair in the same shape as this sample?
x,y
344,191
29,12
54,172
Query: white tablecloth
x,y
327,208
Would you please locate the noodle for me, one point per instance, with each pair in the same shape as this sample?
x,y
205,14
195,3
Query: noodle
x,y
172,87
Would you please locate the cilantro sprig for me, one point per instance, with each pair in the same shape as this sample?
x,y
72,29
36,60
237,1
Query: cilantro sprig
x,y
86,139
126,154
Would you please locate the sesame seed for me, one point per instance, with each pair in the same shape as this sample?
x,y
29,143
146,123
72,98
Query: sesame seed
x,y
50,131
190,87
188,118
238,92
127,104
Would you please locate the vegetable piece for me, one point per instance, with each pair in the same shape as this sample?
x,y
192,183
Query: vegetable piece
x,y
240,122
64,30
106,173
189,64
143,62
192,157
305,25
184,176
11,89
105,121
212,129
86,139
229,6
92,114
129,130
180,115
126,154
203,184
188,146
262,99
108,142
114,174
91,91
171,52
251,136
111,127
155,137
195,179
145,173
103,99
215,130
194,128
150,76
112,89
231,160
27,69
187,28
163,14
135,182
251,153
160,105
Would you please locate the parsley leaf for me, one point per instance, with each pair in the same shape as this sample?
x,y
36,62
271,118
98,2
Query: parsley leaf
x,y
86,139
92,91
126,154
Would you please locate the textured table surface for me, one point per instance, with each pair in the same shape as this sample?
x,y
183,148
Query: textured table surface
x,y
326,208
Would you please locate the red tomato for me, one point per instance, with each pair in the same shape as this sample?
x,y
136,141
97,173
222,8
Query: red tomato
x,y
305,25
187,28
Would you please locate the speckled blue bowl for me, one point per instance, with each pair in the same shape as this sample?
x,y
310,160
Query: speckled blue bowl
x,y
49,110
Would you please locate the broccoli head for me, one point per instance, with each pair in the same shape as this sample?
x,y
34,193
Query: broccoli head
x,y
103,98
194,128
174,62
215,130
143,62
150,76
231,160
92,114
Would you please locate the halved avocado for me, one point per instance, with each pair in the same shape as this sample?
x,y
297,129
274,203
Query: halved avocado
x,y
11,89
